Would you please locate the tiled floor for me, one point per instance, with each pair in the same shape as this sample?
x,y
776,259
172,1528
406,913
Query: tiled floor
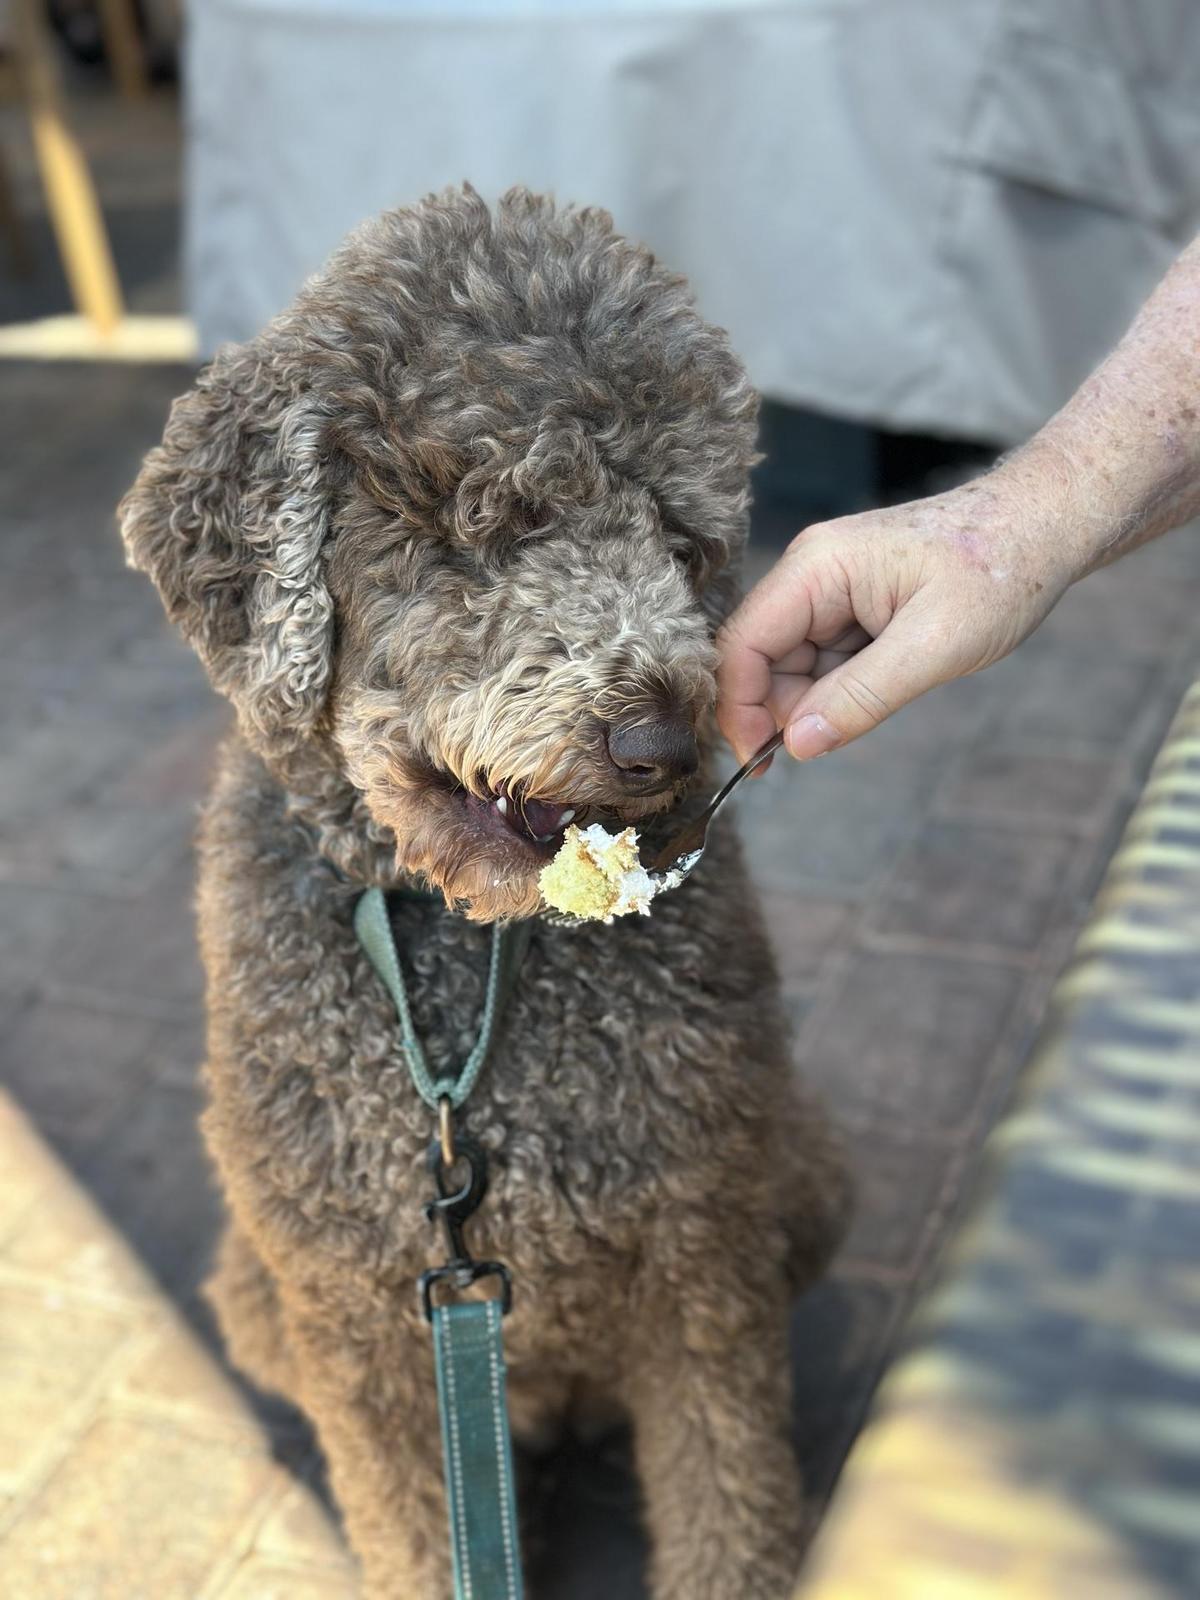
x,y
924,888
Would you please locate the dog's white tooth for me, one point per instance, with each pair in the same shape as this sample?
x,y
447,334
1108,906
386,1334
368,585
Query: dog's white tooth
x,y
567,816
502,804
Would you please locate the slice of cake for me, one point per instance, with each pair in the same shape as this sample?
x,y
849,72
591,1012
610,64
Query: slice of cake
x,y
598,875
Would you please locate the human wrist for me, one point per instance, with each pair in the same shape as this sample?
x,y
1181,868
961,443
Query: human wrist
x,y
1094,486
1049,511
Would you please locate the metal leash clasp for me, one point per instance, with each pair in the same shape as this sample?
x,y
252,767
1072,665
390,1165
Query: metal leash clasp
x,y
453,1207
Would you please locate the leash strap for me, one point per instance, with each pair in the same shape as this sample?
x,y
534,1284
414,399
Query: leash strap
x,y
477,1451
467,1339
509,943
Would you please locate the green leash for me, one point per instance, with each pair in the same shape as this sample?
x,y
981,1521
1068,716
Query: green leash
x,y
467,1339
477,1451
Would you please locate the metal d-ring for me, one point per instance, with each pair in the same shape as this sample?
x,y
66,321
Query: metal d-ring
x,y
446,1132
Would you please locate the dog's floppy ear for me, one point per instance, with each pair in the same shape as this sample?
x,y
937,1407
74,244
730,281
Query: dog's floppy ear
x,y
228,517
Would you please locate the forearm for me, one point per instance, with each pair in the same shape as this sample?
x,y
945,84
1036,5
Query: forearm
x,y
1120,463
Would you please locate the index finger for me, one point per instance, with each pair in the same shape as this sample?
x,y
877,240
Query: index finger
x,y
773,618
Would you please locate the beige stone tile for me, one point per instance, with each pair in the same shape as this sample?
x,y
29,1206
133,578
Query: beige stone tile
x,y
139,1510
151,1176
63,1237
298,1529
257,1579
52,1349
173,1372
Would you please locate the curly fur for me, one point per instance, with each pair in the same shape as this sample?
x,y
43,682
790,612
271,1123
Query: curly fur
x,y
477,496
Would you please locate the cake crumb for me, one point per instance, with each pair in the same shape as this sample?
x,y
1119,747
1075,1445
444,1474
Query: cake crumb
x,y
598,875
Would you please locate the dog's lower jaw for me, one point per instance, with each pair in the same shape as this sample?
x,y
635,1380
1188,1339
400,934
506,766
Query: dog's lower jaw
x,y
436,847
473,885
481,894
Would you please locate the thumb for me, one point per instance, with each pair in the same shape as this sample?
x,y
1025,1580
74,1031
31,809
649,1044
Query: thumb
x,y
858,695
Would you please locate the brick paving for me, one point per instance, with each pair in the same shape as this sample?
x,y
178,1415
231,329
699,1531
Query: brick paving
x,y
924,888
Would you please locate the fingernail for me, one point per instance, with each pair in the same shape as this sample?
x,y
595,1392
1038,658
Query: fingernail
x,y
810,735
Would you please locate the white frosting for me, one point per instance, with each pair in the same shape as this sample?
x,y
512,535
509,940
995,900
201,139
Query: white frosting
x,y
636,887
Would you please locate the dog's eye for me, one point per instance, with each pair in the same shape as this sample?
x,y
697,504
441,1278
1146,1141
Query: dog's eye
x,y
685,550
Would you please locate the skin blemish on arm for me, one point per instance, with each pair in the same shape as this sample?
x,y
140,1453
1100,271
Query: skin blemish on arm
x,y
975,553
972,549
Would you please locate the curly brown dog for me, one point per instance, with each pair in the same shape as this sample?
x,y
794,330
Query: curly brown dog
x,y
457,529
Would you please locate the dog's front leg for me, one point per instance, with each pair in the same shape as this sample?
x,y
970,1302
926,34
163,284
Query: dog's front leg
x,y
371,1392
711,1402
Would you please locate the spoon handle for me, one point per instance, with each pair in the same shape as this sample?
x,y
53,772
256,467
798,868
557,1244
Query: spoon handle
x,y
690,838
755,761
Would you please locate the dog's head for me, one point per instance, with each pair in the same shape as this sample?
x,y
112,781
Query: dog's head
x,y
464,519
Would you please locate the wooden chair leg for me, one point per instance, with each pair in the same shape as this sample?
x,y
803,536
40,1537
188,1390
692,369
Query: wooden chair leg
x,y
123,47
70,194
11,226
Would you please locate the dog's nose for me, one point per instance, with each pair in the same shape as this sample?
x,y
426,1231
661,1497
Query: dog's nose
x,y
653,755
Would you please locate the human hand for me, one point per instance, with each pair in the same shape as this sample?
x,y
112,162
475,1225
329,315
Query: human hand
x,y
863,614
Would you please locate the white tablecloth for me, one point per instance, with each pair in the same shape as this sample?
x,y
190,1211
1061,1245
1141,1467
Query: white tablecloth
x,y
927,214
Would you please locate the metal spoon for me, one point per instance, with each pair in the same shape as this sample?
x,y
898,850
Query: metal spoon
x,y
682,853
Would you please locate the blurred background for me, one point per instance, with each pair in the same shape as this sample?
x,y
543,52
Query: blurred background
x,y
922,221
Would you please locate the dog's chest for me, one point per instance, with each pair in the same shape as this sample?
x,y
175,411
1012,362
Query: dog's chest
x,y
565,1072
578,1106
616,1067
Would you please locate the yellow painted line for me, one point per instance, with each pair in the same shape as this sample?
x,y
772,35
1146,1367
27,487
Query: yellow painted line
x,y
1145,853
1131,1173
1116,1061
1139,938
1130,1113
1178,1350
1159,1510
1173,1429
938,1499
1178,787
1107,979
